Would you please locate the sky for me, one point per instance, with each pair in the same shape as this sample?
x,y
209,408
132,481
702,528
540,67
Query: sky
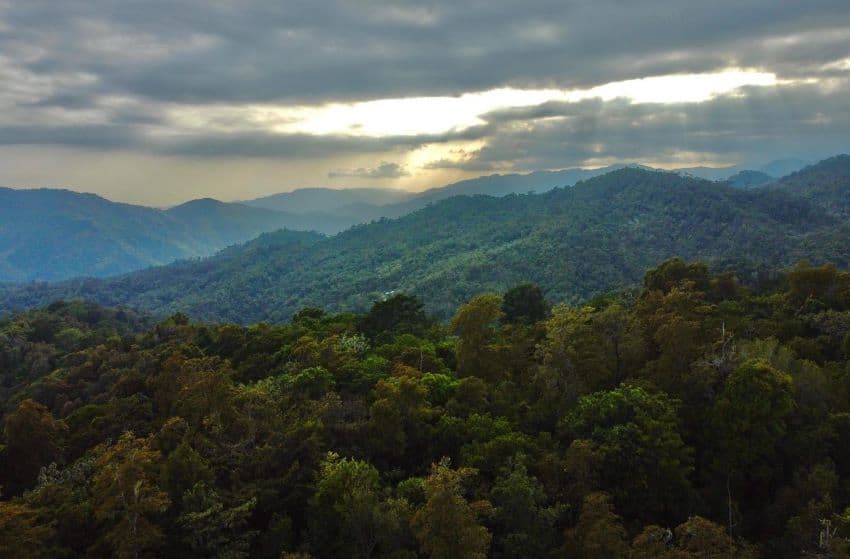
x,y
158,102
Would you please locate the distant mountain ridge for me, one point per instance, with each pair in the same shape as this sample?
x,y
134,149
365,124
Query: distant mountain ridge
x,y
48,234
575,242
58,234
749,179
774,169
826,184
361,205
328,200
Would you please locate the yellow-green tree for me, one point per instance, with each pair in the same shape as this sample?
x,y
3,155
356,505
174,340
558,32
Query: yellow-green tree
x,y
21,534
127,498
476,324
599,531
447,525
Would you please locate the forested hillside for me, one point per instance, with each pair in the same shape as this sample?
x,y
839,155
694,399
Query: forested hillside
x,y
695,418
574,242
826,184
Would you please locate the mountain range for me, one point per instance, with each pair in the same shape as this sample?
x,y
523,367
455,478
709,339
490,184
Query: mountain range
x,y
575,242
48,234
53,235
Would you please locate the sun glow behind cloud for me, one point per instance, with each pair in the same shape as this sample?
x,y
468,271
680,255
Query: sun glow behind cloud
x,y
413,116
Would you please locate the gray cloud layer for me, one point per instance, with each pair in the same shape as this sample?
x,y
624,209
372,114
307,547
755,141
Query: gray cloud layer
x,y
98,74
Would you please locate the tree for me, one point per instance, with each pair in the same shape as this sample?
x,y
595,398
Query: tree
x,y
22,535
343,508
749,417
674,273
599,532
447,524
127,498
644,461
696,538
703,539
524,304
184,468
399,314
397,420
349,516
573,355
476,324
748,420
525,524
33,439
213,529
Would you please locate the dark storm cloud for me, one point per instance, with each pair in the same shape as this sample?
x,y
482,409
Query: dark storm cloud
x,y
84,136
70,56
384,170
198,51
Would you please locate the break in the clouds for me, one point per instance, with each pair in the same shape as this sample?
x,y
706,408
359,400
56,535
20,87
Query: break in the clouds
x,y
233,99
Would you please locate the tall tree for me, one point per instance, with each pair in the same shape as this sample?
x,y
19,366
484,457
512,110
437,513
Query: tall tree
x,y
399,314
599,532
644,461
524,304
127,498
33,439
748,421
447,524
476,324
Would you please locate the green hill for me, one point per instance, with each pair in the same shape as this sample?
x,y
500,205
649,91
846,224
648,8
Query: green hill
x,y
575,242
826,184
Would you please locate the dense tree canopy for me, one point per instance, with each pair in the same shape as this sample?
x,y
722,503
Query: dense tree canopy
x,y
695,418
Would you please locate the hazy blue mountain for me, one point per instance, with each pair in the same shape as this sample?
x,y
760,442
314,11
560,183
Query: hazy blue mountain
x,y
49,234
225,223
710,173
749,179
362,205
502,185
782,167
599,235
774,169
328,200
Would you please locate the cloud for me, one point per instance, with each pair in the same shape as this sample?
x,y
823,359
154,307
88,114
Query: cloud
x,y
342,50
385,170
804,119
255,79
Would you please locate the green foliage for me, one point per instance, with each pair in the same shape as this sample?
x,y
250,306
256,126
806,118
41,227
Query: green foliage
x,y
749,418
644,461
399,314
700,404
476,325
126,497
575,243
599,531
447,524
524,304
33,439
